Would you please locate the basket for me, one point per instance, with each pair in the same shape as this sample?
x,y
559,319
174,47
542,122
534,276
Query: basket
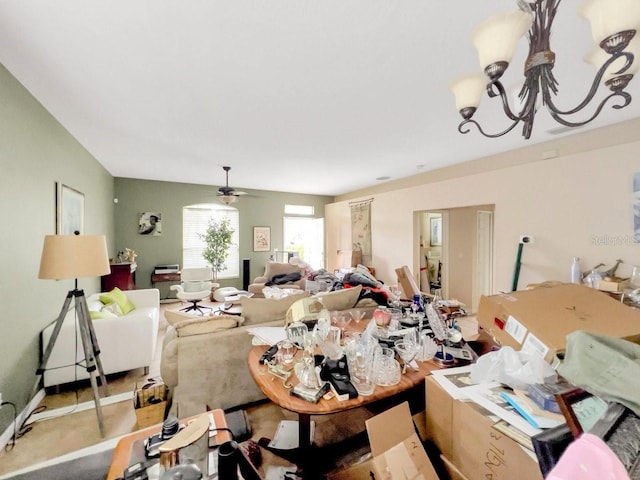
x,y
149,402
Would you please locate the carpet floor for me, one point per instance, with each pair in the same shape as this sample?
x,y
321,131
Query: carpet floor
x,y
61,436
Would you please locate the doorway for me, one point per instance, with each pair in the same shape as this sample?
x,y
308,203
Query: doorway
x,y
456,253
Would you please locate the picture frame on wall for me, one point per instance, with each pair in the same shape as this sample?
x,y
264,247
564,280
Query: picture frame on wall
x,y
435,224
69,210
261,239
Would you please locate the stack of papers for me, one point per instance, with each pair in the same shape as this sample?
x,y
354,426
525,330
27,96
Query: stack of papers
x,y
267,335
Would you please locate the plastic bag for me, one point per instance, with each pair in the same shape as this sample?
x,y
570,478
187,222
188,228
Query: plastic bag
x,y
515,369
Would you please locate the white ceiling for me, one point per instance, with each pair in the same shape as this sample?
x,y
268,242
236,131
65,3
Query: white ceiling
x,y
318,97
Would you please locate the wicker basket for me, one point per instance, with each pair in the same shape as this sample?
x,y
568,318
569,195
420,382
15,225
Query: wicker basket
x,y
149,402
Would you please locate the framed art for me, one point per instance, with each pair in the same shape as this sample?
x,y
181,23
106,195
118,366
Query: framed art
x,y
69,210
436,231
261,239
150,223
581,409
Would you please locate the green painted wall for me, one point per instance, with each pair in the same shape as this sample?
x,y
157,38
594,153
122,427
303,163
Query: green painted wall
x,y
260,208
35,153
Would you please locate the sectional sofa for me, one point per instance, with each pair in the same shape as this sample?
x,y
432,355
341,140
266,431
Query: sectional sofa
x,y
204,359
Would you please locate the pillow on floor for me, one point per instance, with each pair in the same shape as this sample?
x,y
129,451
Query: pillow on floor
x,y
118,297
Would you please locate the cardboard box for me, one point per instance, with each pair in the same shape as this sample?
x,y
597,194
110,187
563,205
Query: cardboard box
x,y
396,450
539,320
465,435
438,413
452,470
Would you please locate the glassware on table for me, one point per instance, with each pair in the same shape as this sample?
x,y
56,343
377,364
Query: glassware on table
x,y
386,367
360,359
427,349
356,314
407,352
287,350
340,320
382,317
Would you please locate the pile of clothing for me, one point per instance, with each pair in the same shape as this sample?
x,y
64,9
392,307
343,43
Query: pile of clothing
x,y
359,275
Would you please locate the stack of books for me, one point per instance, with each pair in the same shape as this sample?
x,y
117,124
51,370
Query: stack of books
x,y
169,268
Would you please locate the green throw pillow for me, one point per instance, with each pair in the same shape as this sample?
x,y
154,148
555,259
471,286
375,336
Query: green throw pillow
x,y
118,297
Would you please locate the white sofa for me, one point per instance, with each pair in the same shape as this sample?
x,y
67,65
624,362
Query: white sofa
x,y
126,342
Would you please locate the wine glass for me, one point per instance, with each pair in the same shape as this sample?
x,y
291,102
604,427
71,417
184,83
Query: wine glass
x,y
407,352
340,320
356,315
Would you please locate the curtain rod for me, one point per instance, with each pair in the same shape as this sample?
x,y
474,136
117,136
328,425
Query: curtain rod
x,y
361,202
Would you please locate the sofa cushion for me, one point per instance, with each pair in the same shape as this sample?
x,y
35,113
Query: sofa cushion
x,y
279,268
118,297
260,310
340,299
202,325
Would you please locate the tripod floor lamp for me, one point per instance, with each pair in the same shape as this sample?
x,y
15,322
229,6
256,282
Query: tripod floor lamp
x,y
73,257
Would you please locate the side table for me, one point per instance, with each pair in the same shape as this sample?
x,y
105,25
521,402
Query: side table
x,y
123,454
164,277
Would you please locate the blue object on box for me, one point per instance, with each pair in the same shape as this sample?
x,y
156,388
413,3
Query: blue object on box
x,y
544,395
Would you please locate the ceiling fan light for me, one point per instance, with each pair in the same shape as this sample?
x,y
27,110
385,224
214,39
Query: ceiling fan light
x,y
228,199
496,38
468,90
608,17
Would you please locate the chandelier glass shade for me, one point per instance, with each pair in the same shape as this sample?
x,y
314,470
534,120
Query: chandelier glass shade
x,y
613,25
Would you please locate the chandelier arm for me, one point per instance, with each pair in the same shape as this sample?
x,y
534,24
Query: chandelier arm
x,y
557,115
594,87
505,101
489,135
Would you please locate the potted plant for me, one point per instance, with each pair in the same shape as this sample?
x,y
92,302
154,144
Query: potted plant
x,y
217,239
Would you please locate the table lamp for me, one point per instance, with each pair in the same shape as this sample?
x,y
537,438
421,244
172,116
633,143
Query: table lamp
x,y
76,256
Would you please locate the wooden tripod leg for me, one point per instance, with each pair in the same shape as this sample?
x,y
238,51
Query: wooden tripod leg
x,y
81,303
90,357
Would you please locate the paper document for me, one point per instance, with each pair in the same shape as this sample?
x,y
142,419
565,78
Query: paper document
x,y
286,436
268,335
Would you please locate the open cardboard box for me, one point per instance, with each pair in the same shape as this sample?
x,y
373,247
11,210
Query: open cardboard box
x,y
539,320
469,445
396,450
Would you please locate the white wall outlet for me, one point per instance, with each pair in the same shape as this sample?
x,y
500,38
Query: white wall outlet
x,y
526,239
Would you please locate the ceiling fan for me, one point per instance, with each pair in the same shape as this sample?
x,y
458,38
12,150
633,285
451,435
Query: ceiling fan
x,y
227,194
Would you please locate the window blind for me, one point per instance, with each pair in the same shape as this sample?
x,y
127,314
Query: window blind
x,y
195,220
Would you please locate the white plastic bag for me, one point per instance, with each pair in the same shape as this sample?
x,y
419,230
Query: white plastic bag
x,y
515,369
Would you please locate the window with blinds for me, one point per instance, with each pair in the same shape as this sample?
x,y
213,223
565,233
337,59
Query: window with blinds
x,y
195,220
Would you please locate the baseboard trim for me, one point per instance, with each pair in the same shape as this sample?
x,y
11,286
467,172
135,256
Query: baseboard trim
x,y
80,407
7,435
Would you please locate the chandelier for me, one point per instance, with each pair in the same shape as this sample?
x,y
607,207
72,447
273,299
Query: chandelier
x,y
613,25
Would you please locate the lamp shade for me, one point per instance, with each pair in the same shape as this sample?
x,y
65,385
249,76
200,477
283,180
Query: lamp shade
x,y
597,57
468,90
611,16
228,199
74,256
496,38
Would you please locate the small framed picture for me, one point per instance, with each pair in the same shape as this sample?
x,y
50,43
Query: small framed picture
x,y
69,210
150,223
581,409
261,239
436,231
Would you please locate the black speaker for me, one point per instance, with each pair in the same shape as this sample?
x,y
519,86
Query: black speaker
x,y
245,273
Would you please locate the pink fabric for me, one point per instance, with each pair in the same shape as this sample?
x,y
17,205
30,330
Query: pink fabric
x,y
588,458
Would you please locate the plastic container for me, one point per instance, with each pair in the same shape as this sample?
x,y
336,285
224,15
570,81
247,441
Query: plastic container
x,y
576,271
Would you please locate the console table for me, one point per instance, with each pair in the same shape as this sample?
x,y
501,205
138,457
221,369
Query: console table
x,y
122,276
164,277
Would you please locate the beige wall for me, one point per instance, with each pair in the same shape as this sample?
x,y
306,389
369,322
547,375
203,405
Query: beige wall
x,y
577,204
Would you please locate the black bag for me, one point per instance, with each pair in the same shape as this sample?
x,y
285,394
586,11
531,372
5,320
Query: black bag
x,y
238,423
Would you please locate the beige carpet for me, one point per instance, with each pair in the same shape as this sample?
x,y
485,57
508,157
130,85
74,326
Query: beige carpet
x,y
55,437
